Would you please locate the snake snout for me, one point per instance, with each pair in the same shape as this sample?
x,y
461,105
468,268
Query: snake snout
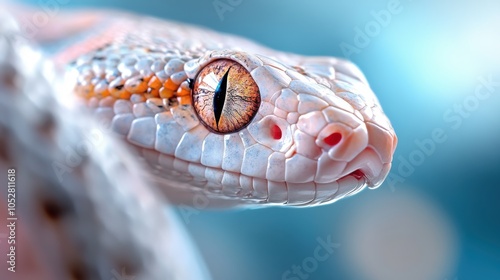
x,y
334,138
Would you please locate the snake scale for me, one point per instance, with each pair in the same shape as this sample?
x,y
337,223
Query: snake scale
x,y
205,113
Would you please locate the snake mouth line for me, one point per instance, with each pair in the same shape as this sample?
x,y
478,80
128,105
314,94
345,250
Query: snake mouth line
x,y
217,184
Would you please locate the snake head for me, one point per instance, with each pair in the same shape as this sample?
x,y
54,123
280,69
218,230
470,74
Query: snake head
x,y
229,127
313,132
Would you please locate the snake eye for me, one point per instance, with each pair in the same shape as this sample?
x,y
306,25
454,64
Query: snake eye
x,y
225,96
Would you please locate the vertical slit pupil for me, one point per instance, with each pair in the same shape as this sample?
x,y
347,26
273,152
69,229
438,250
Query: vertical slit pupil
x,y
220,97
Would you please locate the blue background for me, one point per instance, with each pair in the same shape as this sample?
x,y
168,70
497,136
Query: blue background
x,y
422,64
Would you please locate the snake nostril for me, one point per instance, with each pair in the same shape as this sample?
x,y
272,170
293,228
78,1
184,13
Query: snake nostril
x,y
275,132
333,139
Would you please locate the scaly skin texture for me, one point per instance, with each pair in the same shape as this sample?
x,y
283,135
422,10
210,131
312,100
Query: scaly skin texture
x,y
334,137
79,207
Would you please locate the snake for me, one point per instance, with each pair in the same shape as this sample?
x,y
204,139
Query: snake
x,y
209,119
221,115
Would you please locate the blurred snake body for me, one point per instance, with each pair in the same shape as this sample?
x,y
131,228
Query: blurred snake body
x,y
222,115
